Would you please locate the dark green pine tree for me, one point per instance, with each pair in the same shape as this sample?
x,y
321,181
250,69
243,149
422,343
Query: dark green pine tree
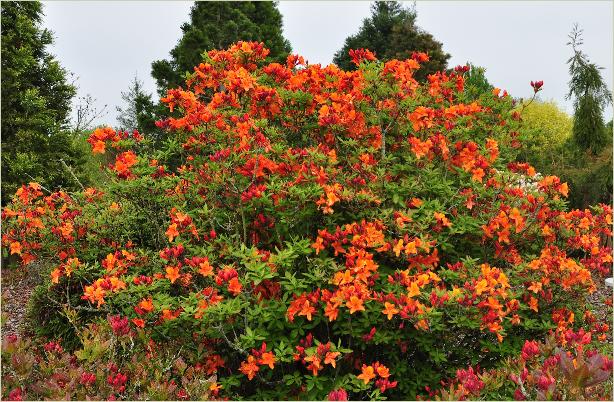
x,y
590,94
391,32
35,105
217,25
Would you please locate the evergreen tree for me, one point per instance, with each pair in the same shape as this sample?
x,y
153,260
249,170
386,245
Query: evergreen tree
x,y
139,112
35,105
476,82
391,32
591,96
216,25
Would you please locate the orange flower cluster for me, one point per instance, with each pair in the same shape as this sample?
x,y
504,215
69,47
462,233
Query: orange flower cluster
x,y
502,224
101,135
370,372
315,358
258,357
180,221
96,292
66,268
555,266
123,163
358,55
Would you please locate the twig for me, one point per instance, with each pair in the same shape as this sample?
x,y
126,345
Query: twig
x,y
43,187
72,174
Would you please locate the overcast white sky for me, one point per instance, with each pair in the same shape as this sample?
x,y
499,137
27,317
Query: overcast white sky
x,y
106,43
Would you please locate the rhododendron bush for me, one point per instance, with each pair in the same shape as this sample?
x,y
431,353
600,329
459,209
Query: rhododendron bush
x,y
308,232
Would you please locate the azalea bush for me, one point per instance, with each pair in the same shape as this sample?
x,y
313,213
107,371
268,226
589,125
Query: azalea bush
x,y
307,232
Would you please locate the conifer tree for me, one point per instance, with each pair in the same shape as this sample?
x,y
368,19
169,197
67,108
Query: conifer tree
x,y
216,25
391,33
36,99
590,96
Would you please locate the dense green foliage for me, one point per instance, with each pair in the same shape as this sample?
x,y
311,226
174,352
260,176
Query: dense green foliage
x,y
216,25
477,83
549,145
391,33
546,138
35,105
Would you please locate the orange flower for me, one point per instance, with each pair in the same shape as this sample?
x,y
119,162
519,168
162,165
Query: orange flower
x,y
172,273
268,359
16,247
517,218
249,367
389,310
307,310
410,248
315,363
413,290
205,269
55,275
331,311
66,229
398,247
533,304
368,373
331,357
98,147
318,246
477,174
481,287
383,371
546,231
146,305
234,286
416,202
535,287
94,293
172,232
139,322
564,189
355,304
168,315
420,148
441,218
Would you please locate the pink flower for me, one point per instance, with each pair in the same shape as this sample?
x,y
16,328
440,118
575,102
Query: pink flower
x,y
518,395
537,85
16,395
530,349
119,325
338,395
88,378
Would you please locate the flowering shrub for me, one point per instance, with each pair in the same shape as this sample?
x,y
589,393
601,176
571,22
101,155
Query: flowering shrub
x,y
309,232
555,370
109,366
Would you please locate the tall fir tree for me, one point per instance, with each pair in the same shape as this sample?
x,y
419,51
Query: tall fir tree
x,y
590,95
36,99
139,112
391,32
216,25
